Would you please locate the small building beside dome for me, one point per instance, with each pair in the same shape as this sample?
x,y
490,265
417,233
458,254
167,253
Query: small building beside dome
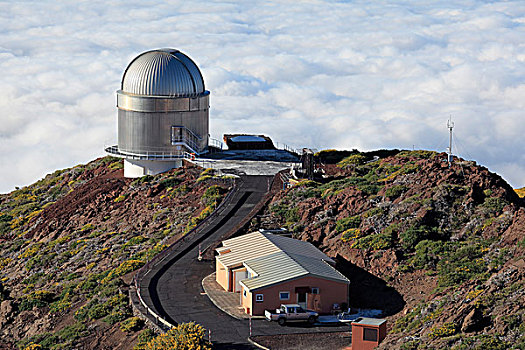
x,y
163,113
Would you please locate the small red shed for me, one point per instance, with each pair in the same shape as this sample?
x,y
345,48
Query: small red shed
x,y
367,333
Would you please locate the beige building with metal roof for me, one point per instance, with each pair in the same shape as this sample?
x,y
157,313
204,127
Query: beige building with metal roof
x,y
269,270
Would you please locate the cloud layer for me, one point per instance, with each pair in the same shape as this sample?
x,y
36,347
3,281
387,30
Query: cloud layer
x,y
322,74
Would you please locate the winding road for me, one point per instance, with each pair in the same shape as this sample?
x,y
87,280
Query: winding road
x,y
173,288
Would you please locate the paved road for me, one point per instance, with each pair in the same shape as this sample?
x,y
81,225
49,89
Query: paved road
x,y
173,289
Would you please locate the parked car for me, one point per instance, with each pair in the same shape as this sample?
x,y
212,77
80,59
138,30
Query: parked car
x,y
291,312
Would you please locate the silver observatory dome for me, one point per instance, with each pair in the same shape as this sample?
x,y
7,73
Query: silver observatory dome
x,y
163,72
163,112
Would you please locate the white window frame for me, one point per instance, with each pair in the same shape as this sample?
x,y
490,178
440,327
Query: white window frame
x,y
315,290
259,298
281,298
244,291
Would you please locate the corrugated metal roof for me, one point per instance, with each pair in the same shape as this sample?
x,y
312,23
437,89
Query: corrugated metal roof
x,y
295,246
276,259
370,321
258,244
163,72
246,247
281,266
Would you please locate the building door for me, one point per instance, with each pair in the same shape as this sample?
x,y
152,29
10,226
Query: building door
x,y
238,275
302,299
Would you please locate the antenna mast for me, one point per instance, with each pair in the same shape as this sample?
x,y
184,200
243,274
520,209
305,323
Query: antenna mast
x,y
450,126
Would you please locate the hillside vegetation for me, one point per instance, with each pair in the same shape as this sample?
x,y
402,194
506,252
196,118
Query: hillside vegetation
x,y
69,243
440,249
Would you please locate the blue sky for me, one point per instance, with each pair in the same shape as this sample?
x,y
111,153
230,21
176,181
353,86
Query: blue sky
x,y
322,74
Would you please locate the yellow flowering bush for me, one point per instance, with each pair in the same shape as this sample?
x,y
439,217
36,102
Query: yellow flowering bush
x,y
473,294
124,268
445,330
29,252
186,336
196,220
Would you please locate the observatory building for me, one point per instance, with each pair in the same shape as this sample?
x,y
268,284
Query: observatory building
x,y
163,113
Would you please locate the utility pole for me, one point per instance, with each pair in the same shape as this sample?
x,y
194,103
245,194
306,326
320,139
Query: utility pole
x,y
450,126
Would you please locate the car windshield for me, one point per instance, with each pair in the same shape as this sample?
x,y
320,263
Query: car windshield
x,y
299,309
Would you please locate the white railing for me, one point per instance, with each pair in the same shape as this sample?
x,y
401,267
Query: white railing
x,y
215,143
285,147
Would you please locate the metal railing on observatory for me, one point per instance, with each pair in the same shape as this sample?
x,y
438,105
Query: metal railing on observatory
x,y
146,154
182,136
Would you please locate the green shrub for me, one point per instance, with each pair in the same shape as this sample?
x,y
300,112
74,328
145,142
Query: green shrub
x,y
409,321
292,215
374,212
279,209
5,223
61,305
392,230
464,263
410,345
352,161
38,298
369,189
116,316
347,223
213,195
395,191
492,342
171,181
494,205
428,253
409,168
132,324
143,338
415,234
98,311
378,241
418,154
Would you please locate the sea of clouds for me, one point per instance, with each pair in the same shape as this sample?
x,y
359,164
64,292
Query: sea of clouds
x,y
322,74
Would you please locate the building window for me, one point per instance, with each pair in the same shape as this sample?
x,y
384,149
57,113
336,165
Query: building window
x,y
259,297
315,290
244,292
284,295
370,334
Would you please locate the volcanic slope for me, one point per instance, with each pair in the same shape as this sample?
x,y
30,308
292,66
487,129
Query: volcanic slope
x,y
440,249
70,242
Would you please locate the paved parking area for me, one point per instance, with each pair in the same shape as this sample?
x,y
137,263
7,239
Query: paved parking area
x,y
228,302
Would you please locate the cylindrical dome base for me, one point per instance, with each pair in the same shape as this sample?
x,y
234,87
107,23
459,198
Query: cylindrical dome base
x,y
138,168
